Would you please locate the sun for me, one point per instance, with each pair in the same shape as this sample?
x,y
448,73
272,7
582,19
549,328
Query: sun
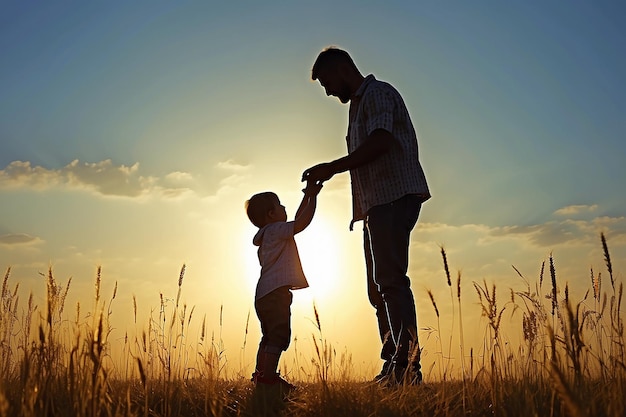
x,y
325,258
320,256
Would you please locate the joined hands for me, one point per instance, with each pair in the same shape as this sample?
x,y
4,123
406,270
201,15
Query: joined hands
x,y
312,187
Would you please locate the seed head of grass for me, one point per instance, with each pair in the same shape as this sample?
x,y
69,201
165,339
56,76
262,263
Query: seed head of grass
x,y
98,280
181,276
190,315
445,265
529,325
5,282
490,306
555,304
318,324
432,300
607,259
64,296
595,284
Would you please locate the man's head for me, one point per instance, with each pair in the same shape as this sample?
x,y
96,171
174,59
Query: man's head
x,y
265,208
337,73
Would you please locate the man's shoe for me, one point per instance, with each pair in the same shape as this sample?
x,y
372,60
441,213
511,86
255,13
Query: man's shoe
x,y
400,375
412,377
384,373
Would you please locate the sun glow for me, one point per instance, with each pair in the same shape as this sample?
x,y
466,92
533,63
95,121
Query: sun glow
x,y
320,256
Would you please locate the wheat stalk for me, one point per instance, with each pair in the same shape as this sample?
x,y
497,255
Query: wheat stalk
x,y
607,259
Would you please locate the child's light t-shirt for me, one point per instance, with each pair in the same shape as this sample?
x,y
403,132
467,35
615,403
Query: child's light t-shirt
x,y
279,259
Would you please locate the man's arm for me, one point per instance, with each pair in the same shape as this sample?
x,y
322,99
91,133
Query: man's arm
x,y
378,143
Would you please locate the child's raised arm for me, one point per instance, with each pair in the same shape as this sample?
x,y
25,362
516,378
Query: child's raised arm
x,y
305,212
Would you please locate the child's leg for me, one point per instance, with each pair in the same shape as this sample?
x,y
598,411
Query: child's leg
x,y
260,360
267,359
274,314
269,363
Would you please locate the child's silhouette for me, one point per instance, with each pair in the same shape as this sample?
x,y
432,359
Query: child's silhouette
x,y
281,271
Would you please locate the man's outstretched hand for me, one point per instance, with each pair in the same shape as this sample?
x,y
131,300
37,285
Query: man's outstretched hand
x,y
318,173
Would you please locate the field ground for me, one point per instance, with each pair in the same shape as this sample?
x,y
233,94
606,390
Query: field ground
x,y
570,361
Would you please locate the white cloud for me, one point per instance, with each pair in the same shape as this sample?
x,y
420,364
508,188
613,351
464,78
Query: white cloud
x,y
19,174
232,175
487,252
566,232
178,176
231,165
103,178
21,239
576,209
544,236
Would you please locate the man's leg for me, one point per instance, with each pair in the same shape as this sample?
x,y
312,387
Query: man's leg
x,y
389,227
376,299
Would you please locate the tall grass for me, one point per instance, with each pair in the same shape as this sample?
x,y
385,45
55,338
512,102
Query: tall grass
x,y
569,360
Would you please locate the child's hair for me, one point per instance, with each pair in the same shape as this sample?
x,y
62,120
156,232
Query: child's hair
x,y
259,205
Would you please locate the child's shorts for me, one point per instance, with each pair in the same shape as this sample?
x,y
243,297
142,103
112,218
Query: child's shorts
x,y
274,313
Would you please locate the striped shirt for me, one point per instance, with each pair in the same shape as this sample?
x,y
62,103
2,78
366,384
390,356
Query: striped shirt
x,y
378,105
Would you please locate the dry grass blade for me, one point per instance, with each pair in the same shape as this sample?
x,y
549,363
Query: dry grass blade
x,y
565,393
568,364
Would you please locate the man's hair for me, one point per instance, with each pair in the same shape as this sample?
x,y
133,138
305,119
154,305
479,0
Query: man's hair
x,y
259,205
330,59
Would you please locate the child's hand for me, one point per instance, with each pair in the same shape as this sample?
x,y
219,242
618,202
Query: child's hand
x,y
312,188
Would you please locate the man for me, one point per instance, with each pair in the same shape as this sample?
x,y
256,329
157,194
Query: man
x,y
388,189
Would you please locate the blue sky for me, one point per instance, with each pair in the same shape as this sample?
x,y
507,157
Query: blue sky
x,y
132,132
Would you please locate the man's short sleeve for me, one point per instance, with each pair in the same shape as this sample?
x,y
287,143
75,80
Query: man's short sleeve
x,y
378,107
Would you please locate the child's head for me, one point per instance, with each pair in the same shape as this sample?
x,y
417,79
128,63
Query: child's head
x,y
261,207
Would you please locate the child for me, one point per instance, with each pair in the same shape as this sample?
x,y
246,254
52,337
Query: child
x,y
281,272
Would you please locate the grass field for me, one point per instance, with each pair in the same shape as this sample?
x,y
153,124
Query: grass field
x,y
570,360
